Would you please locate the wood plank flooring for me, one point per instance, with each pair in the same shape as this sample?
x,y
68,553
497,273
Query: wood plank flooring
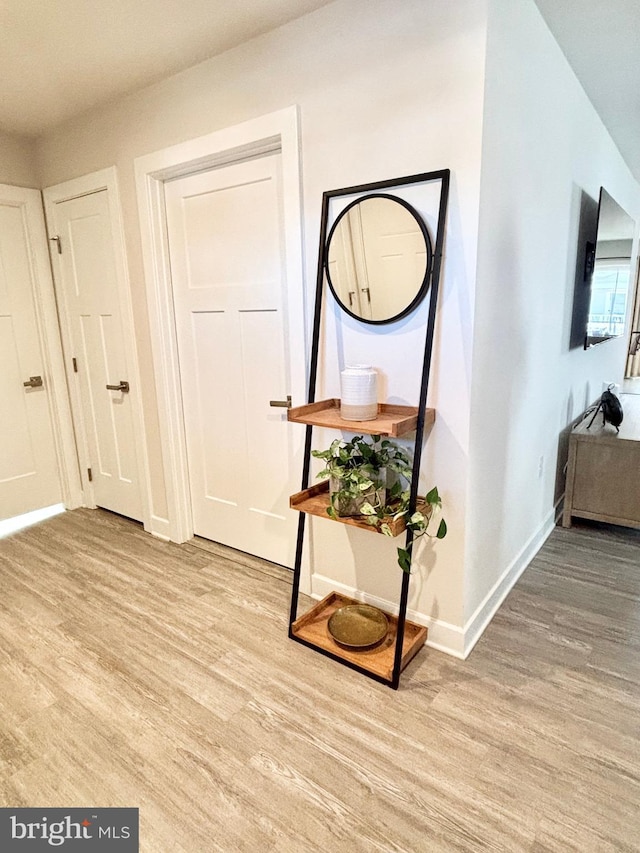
x,y
135,672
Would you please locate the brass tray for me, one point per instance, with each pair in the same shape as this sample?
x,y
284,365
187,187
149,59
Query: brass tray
x,y
358,626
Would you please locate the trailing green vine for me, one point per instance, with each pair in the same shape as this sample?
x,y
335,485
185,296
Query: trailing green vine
x,y
418,523
371,478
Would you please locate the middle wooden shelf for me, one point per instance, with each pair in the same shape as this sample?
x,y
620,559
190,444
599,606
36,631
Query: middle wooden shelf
x,y
315,500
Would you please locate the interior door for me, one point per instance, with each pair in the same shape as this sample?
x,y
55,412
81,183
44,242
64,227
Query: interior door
x,y
29,474
226,247
86,279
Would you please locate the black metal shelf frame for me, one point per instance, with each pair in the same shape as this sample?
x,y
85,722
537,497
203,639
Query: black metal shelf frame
x,y
443,176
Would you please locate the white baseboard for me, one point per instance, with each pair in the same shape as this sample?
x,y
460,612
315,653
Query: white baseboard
x,y
443,636
26,519
485,612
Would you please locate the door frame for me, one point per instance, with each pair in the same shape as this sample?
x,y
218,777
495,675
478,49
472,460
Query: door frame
x,y
104,179
275,132
46,315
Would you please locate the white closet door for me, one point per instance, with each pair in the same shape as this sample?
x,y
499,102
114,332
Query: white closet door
x,y
88,288
29,474
226,245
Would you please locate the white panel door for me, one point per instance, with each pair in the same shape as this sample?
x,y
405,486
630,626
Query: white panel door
x,y
29,475
88,289
226,247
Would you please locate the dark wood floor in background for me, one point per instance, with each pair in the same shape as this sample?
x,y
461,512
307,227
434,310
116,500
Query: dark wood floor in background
x,y
135,672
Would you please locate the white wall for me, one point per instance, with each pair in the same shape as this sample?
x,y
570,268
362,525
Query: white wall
x,y
17,161
543,144
384,89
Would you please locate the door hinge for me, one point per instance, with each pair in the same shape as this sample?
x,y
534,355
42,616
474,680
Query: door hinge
x,y
75,365
59,243
89,475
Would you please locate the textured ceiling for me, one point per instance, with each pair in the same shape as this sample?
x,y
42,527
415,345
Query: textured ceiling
x,y
61,57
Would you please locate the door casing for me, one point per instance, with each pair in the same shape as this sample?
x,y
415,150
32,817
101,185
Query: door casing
x,y
276,131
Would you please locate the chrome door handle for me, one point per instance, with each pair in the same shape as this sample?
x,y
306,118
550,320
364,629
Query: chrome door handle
x,y
123,386
285,404
33,382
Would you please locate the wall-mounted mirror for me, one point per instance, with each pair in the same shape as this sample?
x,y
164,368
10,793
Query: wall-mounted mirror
x,y
378,258
611,277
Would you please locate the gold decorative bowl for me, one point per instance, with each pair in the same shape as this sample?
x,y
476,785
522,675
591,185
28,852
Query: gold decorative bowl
x,y
358,626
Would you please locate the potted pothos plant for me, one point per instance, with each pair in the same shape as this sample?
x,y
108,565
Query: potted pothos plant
x,y
372,478
363,475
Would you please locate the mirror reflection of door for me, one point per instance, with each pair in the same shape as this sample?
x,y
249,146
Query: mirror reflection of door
x,y
342,265
378,258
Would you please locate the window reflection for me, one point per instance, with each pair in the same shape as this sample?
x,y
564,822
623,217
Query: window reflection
x,y
611,272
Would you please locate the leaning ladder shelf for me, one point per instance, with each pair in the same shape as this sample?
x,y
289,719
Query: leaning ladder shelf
x,y
404,639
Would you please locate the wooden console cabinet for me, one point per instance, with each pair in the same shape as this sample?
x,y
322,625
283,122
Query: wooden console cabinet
x,y
603,473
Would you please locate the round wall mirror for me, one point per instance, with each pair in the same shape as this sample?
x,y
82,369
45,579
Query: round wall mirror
x,y
378,258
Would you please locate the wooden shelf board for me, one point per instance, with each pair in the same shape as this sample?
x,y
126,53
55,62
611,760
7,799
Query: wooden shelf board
x,y
391,420
312,628
315,500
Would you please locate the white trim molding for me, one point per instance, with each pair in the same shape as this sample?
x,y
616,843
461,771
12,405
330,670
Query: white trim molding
x,y
277,131
484,613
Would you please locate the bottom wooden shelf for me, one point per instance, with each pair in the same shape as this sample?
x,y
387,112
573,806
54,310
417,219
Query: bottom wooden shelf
x,y
312,628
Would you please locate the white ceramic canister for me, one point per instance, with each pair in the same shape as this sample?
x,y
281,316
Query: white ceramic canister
x,y
358,393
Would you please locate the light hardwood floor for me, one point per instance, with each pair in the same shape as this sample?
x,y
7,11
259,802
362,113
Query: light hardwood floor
x,y
135,672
